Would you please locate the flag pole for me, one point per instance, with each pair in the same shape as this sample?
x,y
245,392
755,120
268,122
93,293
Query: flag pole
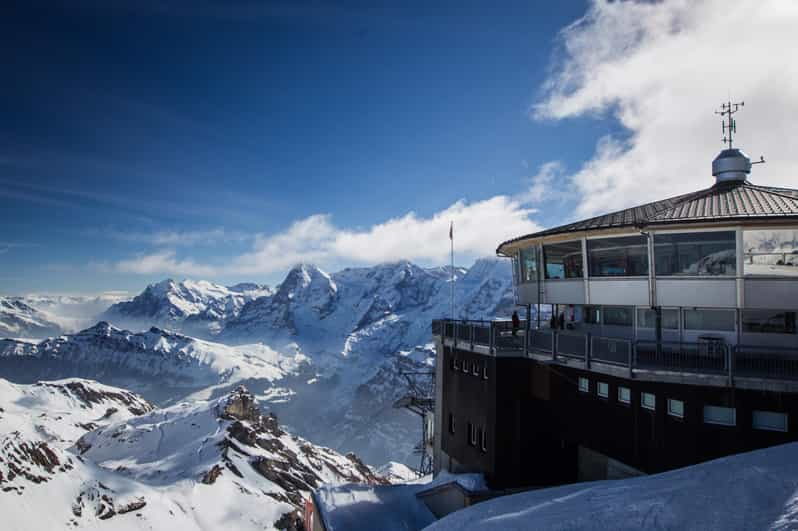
x,y
451,240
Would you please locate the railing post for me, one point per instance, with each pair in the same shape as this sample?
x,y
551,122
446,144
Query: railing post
x,y
492,340
632,358
454,333
473,331
587,350
554,345
730,364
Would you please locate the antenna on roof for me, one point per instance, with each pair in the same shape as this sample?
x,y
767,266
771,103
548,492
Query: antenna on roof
x,y
729,124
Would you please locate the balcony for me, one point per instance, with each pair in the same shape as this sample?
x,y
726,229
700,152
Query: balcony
x,y
710,362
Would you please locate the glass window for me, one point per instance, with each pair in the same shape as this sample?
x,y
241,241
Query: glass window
x,y
696,253
592,315
726,416
769,420
647,318
563,260
624,395
603,389
626,256
584,385
722,320
529,264
675,408
769,321
770,252
619,315
648,400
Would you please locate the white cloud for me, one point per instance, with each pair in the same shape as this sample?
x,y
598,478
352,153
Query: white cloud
x,y
478,228
175,238
161,263
660,69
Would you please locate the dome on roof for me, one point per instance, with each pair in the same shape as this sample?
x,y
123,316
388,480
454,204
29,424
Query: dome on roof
x,y
731,165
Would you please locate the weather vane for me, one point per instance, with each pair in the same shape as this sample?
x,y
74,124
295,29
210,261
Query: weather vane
x,y
729,127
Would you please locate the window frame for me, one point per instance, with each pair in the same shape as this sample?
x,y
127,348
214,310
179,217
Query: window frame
x,y
784,333
765,427
672,412
653,406
730,311
595,275
586,388
628,399
718,408
606,394
579,264
644,309
671,233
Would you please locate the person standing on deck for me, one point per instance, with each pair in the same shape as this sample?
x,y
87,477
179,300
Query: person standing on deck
x,y
516,322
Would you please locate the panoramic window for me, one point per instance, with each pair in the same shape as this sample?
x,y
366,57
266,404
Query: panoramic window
x,y
769,321
647,318
721,320
624,395
675,408
529,264
619,315
626,256
769,420
696,253
648,400
725,416
563,260
770,252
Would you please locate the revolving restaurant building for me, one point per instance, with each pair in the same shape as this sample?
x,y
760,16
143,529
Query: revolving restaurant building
x,y
673,341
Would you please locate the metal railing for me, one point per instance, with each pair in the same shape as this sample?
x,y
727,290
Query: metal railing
x,y
714,358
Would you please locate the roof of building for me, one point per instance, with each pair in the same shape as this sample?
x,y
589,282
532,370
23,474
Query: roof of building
x,y
722,202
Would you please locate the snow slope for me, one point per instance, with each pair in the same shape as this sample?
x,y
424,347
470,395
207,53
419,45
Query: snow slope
x,y
160,364
19,319
756,490
206,465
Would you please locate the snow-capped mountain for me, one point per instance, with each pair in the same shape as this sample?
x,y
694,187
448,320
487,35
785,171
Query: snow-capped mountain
x,y
205,465
19,319
160,364
197,308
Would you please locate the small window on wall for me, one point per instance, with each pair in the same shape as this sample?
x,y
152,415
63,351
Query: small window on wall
x,y
769,420
563,260
624,395
584,385
648,401
529,264
625,256
675,408
770,252
696,253
768,322
603,389
451,423
619,315
719,320
647,318
724,416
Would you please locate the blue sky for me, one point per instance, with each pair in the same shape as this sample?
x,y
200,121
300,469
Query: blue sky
x,y
229,140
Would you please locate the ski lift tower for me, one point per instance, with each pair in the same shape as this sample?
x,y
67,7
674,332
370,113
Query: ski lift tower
x,y
420,399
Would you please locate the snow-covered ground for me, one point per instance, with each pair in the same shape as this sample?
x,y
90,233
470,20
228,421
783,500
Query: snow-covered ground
x,y
79,454
752,491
